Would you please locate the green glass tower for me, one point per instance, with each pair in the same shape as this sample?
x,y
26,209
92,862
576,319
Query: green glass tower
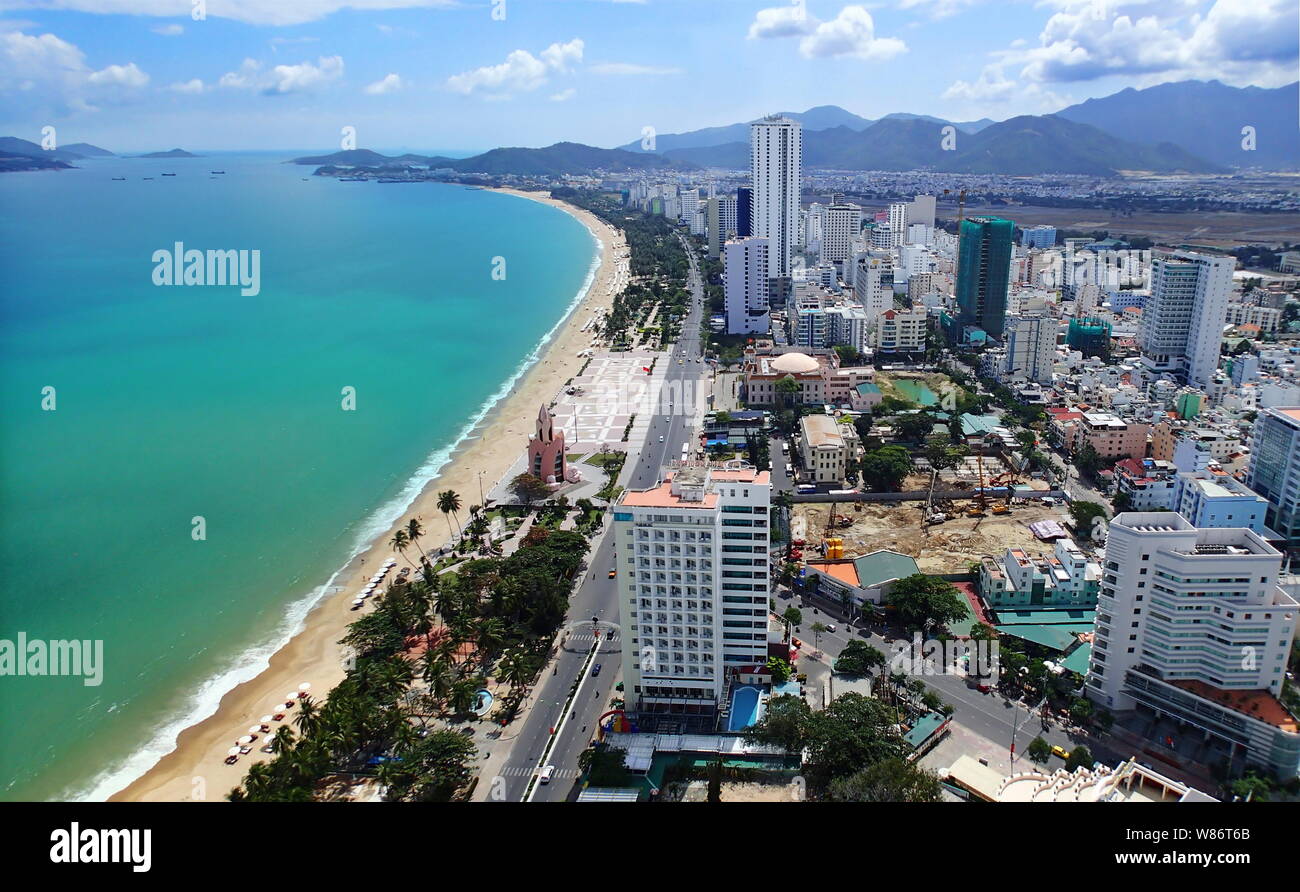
x,y
983,271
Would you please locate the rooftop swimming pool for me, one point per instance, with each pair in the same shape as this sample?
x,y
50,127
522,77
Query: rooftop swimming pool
x,y
746,707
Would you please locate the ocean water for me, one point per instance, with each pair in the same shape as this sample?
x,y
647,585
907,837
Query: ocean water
x,y
176,403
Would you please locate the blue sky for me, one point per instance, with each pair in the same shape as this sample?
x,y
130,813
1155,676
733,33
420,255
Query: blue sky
x,y
472,74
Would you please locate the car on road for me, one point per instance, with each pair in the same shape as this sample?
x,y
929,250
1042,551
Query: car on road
x,y
595,670
831,627
613,571
545,776
661,439
1058,750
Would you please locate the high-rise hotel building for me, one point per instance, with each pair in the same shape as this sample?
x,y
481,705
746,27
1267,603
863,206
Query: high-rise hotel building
x,y
746,285
1195,626
1275,469
776,166
1182,322
692,560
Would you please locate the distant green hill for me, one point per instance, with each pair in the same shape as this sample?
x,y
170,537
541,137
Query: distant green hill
x,y
86,150
556,160
170,153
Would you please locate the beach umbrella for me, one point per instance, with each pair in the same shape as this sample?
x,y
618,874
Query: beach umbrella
x,y
305,686
233,751
255,730
244,740
266,719
289,698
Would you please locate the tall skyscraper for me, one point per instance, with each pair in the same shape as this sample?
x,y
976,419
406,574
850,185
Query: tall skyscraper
x,y
1182,323
745,285
744,212
776,161
1275,469
1193,629
983,270
693,591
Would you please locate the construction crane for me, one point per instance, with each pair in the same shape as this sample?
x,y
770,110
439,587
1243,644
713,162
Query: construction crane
x,y
961,205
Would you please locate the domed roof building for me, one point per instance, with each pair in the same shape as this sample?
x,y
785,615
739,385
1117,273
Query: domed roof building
x,y
795,363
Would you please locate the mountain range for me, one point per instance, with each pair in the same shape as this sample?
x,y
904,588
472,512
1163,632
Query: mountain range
x,y
822,117
13,146
555,160
1192,126
1023,146
1205,117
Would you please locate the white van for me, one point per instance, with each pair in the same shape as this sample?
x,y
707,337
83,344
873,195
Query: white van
x,y
545,776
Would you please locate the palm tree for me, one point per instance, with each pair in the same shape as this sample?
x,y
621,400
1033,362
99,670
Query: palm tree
x,y
449,504
491,634
282,740
464,692
414,530
515,668
399,542
307,720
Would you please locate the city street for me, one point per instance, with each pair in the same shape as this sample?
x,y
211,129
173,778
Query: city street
x,y
990,715
597,596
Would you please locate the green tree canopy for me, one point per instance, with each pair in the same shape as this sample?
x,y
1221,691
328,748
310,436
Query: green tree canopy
x,y
918,598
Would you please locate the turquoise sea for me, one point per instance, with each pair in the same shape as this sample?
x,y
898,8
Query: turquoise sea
x,y
172,403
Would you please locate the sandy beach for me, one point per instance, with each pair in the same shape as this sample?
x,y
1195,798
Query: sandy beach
x,y
195,770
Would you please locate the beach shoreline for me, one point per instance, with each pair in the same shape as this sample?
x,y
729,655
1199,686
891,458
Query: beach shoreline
x,y
195,769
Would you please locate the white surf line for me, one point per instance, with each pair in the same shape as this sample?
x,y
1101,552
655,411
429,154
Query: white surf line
x,y
559,728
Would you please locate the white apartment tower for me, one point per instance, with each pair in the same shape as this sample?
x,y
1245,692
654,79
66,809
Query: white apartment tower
x,y
1195,625
693,588
1031,347
898,223
1182,322
843,223
776,161
745,285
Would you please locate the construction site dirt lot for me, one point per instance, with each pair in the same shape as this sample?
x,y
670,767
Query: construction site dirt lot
x,y
949,547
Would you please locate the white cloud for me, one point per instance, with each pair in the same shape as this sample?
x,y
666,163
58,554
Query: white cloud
x,y
561,56
564,95
245,78
993,88
390,84
782,21
283,79
521,72
938,9
1238,41
253,12
629,68
303,76
44,74
190,86
168,30
851,33
128,75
